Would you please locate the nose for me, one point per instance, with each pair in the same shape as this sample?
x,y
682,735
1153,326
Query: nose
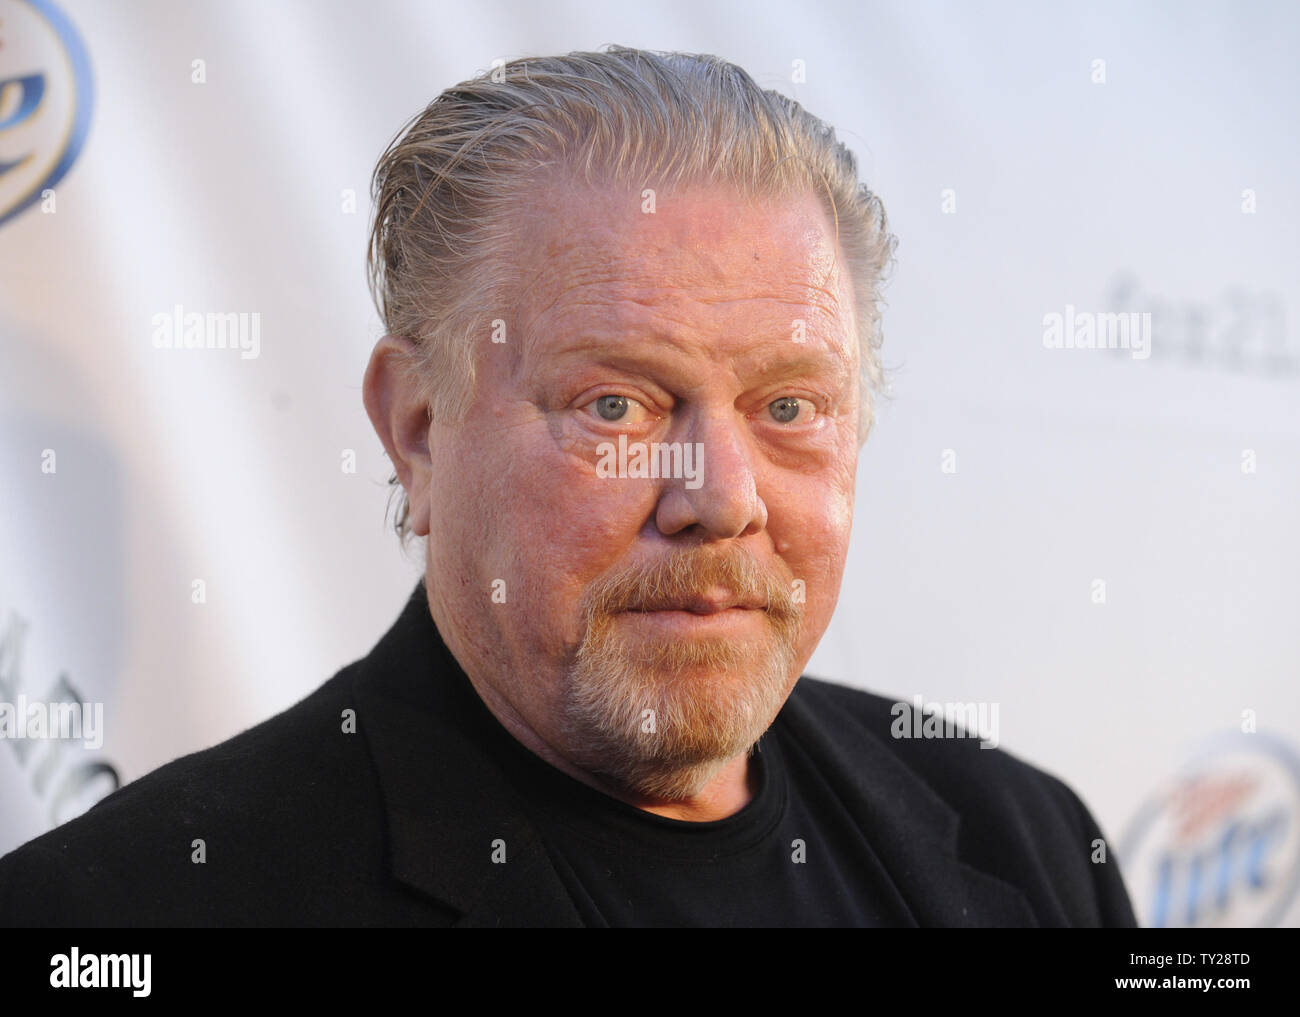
x,y
723,500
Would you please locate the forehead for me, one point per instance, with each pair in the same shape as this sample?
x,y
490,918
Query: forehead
x,y
706,264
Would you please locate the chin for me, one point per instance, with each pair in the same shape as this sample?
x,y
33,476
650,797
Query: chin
x,y
661,723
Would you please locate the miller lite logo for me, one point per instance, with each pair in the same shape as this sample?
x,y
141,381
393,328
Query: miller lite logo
x,y
45,102
1219,845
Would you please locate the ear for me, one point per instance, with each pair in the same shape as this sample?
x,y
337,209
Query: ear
x,y
401,419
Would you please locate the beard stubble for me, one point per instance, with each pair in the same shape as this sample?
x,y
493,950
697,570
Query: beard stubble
x,y
660,719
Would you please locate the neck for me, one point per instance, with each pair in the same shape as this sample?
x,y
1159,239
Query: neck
x,y
727,793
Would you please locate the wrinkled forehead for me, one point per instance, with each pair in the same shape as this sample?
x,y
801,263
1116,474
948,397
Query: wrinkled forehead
x,y
708,260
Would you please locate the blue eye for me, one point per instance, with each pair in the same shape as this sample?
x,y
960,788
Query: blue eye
x,y
612,407
785,409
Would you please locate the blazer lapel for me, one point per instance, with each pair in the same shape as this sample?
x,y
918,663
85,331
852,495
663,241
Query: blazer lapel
x,y
465,841
913,831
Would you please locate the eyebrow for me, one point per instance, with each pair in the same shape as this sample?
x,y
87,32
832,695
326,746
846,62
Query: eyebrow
x,y
657,350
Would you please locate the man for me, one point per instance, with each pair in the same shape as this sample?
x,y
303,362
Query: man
x,y
633,335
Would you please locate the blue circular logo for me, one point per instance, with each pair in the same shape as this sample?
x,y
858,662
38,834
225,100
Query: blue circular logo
x,y
46,95
1219,845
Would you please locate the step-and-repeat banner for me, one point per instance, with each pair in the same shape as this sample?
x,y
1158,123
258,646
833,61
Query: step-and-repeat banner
x,y
1077,513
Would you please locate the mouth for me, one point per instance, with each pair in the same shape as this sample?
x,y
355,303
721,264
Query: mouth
x,y
723,617
672,621
714,602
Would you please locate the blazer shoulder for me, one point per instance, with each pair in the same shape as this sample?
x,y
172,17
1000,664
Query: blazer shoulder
x,y
248,816
1017,821
959,759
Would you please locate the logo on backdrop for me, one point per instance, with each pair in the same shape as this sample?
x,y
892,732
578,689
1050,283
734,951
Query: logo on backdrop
x,y
43,730
46,96
1219,845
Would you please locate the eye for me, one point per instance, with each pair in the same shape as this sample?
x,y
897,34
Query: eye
x,y
611,407
614,408
786,409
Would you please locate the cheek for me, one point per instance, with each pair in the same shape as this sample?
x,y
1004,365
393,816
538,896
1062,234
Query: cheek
x,y
810,526
539,517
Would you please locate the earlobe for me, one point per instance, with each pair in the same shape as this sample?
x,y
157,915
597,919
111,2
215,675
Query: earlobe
x,y
400,416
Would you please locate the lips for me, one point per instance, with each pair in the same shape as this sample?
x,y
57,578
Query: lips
x,y
703,604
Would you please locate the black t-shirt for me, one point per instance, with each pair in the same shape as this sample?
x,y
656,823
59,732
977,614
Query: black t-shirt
x,y
791,857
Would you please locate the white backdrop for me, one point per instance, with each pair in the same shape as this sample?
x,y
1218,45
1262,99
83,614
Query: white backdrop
x,y
1102,157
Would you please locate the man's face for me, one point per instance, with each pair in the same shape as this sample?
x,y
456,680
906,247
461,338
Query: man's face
x,y
647,629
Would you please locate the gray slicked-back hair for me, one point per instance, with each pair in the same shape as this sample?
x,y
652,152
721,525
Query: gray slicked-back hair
x,y
446,189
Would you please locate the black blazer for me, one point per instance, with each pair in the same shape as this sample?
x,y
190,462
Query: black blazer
x,y
303,823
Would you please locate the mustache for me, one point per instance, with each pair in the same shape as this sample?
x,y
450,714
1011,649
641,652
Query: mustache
x,y
688,575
